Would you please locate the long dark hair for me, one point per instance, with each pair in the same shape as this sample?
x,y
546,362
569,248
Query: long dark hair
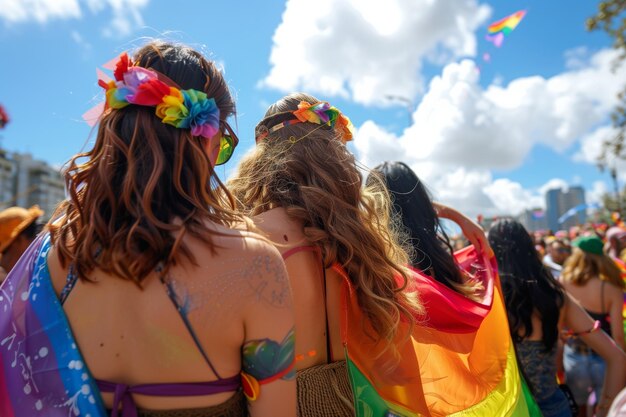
x,y
527,284
412,203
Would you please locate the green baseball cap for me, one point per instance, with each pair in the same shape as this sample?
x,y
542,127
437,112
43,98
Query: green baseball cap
x,y
589,244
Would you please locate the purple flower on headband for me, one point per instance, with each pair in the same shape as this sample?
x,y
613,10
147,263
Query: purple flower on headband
x,y
204,115
135,76
320,109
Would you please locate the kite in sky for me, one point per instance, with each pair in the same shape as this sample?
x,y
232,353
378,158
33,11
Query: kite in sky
x,y
498,30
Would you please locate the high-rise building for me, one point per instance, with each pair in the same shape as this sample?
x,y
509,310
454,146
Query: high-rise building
x,y
559,201
533,220
7,180
25,181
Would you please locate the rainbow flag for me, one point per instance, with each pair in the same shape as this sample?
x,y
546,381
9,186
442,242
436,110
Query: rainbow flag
x,y
508,24
42,372
459,359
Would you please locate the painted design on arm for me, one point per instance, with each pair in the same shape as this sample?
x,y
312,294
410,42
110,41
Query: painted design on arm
x,y
265,361
269,282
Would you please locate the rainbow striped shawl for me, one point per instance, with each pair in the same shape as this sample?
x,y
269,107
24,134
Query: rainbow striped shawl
x,y
458,361
42,372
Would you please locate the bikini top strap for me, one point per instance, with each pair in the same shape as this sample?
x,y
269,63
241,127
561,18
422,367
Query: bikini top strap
x,y
171,293
70,283
123,400
298,249
329,350
602,297
71,280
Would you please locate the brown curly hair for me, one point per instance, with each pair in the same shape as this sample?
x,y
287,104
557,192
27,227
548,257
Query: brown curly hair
x,y
582,266
144,185
307,170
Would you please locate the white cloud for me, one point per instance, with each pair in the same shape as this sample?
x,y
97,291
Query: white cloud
x,y
80,41
368,49
510,197
576,58
591,149
126,13
598,189
554,183
18,11
461,131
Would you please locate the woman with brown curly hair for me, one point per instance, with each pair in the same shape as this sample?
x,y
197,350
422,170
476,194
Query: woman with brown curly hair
x,y
303,188
593,278
156,300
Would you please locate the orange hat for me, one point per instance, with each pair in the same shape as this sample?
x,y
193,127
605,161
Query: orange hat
x,y
13,221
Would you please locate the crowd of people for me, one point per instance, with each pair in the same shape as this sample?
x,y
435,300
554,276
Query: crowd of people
x,y
299,287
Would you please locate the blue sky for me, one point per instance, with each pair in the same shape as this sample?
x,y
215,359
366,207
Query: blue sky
x,y
550,70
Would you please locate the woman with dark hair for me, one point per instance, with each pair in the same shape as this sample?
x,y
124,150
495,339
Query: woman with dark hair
x,y
144,297
538,308
430,248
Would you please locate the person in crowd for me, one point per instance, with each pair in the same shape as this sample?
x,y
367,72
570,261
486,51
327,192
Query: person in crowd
x,y
592,278
18,228
430,248
558,250
304,189
538,310
618,408
540,244
616,241
151,297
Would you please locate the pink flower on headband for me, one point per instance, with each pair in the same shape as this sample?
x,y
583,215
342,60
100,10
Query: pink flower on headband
x,y
135,76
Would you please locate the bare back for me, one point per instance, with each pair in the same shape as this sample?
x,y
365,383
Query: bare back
x,y
135,335
316,292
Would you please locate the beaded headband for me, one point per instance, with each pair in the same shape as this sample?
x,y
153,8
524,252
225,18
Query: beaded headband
x,y
321,113
183,109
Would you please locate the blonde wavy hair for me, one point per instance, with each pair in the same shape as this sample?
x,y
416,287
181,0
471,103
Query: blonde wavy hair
x,y
582,266
306,169
144,185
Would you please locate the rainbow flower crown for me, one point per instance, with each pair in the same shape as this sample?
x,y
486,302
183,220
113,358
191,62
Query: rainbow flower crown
x,y
184,109
320,113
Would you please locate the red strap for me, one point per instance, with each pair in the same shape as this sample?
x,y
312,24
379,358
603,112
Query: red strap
x,y
298,249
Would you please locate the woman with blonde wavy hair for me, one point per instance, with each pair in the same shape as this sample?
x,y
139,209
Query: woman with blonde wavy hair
x,y
144,297
593,278
304,190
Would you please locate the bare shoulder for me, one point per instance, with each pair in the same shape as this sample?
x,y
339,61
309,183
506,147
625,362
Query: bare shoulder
x,y
612,288
279,227
614,293
245,268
